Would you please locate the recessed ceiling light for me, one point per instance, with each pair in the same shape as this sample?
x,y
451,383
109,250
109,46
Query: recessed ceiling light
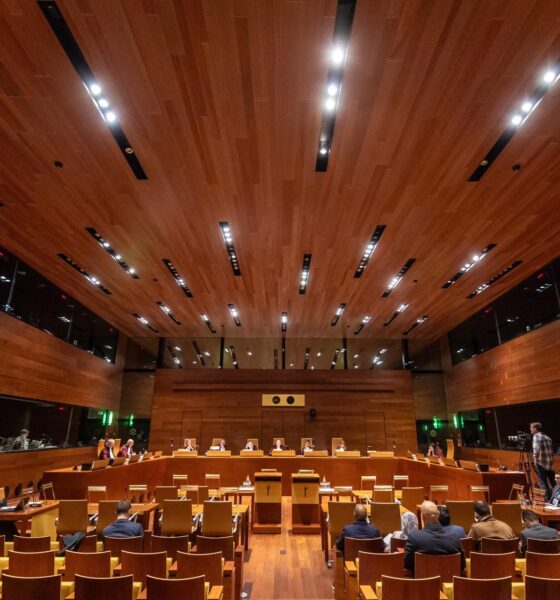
x,y
180,281
84,273
484,286
168,312
549,76
323,151
330,103
338,313
234,314
338,53
526,106
110,250
95,89
468,265
397,279
144,321
304,277
103,102
230,248
401,308
362,324
418,321
369,249
516,120
178,348
332,89
284,321
111,116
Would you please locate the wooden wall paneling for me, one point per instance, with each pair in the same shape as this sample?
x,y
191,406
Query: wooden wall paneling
x,y
272,425
375,430
294,427
429,395
137,394
191,427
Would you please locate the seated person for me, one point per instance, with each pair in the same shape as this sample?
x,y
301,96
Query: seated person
x,y
22,441
220,447
432,539
534,530
250,446
107,450
308,447
278,445
45,441
409,523
486,525
127,450
555,494
122,527
190,447
360,528
341,446
445,520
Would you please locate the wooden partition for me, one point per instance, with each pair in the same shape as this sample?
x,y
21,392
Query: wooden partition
x,y
372,408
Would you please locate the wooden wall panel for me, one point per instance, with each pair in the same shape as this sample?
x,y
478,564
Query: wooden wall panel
x,y
137,394
230,403
36,365
429,395
523,370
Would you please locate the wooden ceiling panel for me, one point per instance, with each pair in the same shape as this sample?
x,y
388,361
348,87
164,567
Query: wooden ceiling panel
x,y
222,102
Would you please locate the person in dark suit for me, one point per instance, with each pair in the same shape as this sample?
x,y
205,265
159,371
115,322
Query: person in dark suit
x,y
107,450
278,445
360,528
123,527
534,530
555,494
433,539
445,522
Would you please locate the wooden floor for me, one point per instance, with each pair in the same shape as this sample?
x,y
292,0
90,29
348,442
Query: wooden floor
x,y
287,566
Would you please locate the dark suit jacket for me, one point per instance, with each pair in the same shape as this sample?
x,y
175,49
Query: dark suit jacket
x,y
536,532
358,529
555,495
433,539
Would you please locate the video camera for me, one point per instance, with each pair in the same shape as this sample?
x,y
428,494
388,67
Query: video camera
x,y
522,441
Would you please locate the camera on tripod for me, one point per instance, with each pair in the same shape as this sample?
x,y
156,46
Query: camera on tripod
x,y
522,441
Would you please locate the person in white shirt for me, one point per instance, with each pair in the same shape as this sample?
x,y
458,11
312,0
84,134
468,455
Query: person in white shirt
x,y
307,447
250,446
341,446
190,446
278,445
22,441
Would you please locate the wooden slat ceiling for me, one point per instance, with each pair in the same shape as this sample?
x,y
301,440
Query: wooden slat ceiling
x,y
222,102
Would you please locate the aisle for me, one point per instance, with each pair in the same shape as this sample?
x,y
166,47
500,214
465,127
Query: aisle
x,y
286,566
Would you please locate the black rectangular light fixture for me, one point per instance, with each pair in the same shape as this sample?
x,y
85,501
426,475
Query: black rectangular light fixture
x,y
199,354
341,37
306,358
338,313
370,249
362,324
398,277
112,252
144,322
230,248
284,321
206,319
84,273
481,288
233,357
418,321
180,281
304,278
475,259
68,42
399,310
335,358
234,315
168,312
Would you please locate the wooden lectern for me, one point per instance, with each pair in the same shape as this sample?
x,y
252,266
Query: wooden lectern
x,y
305,503
268,502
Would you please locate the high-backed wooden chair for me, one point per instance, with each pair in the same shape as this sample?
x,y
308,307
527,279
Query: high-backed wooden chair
x,y
116,545
31,564
212,480
340,514
256,444
196,564
193,442
138,492
543,565
96,493
543,546
94,588
439,493
367,482
177,518
20,588
471,589
383,493
461,512
2,544
203,494
400,481
170,544
497,546
354,545
479,492
282,441
371,567
446,566
412,497
489,566
72,517
231,553
539,496
517,491
179,480
32,544
335,441
510,514
396,543
218,519
141,564
107,514
397,588
173,589
216,441
47,491
541,588
386,516
91,564
467,544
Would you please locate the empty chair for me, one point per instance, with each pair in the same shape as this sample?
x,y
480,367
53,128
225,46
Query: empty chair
x,y
543,546
446,566
488,566
141,564
196,564
517,491
106,514
32,544
510,514
92,564
479,492
367,482
116,545
461,513
230,552
499,546
439,493
400,481
166,492
191,493
543,565
385,516
72,517
31,564
383,493
218,519
94,588
212,480
138,493
354,545
172,589
471,589
47,491
541,588
19,588
95,493
177,518
398,588
412,497
371,566
179,479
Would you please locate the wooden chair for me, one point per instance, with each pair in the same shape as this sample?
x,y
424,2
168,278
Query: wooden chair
x,y
96,493
461,513
91,564
31,564
177,518
212,480
479,492
72,517
367,482
439,493
218,519
539,497
335,441
497,546
386,516
467,544
354,545
398,588
489,566
20,588
173,589
32,544
282,441
47,491
383,493
543,565
179,480
446,566
117,545
94,588
339,514
400,481
216,441
541,588
256,444
396,543
517,491
510,514
371,566
412,497
107,514
170,544
196,564
543,546
193,442
472,589
231,553
141,564
138,492
203,494
2,545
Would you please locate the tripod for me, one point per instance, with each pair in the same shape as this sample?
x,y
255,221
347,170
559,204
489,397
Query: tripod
x,y
527,466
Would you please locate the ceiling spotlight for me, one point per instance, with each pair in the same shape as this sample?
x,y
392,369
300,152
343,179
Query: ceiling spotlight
x,y
284,318
549,76
106,244
338,54
526,106
332,89
103,103
131,271
318,353
249,353
516,119
111,116
178,348
330,104
323,151
95,89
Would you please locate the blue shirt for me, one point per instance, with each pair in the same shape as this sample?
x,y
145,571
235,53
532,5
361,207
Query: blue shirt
x,y
358,529
122,528
456,529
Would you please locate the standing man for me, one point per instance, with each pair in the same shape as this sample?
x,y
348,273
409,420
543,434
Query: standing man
x,y
543,455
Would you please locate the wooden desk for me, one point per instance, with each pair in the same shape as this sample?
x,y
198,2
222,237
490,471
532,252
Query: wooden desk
x,y
268,503
305,503
42,519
